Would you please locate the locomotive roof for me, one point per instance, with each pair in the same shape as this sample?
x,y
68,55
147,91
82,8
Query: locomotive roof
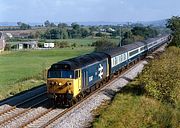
x,y
79,62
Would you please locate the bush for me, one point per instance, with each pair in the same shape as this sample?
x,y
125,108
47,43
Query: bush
x,y
63,44
40,45
162,77
74,45
7,47
103,44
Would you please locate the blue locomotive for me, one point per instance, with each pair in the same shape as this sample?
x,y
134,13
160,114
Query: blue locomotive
x,y
71,79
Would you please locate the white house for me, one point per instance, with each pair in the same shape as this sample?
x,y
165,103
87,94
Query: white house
x,y
48,45
26,45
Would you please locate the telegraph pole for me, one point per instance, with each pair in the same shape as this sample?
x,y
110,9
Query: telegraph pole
x,y
120,36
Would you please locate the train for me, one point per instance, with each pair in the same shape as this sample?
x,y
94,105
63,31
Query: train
x,y
70,80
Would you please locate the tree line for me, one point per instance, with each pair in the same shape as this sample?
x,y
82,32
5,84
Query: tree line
x,y
126,34
174,25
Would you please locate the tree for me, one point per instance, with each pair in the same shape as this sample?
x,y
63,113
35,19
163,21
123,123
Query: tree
x,y
84,32
62,44
64,33
47,23
75,32
146,32
37,34
23,26
75,26
103,44
52,24
174,25
62,25
127,38
19,23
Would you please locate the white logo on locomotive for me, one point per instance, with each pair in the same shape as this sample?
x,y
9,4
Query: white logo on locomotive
x,y
100,69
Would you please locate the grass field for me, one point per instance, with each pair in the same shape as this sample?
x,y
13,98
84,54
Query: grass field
x,y
85,41
79,42
20,70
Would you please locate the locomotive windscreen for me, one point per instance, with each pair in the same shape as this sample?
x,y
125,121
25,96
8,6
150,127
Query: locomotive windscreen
x,y
60,74
61,66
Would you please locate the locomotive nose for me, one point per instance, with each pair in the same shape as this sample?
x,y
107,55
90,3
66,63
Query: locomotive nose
x,y
55,83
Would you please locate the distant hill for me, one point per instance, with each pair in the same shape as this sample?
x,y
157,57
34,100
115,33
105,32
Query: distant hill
x,y
161,23
15,24
154,23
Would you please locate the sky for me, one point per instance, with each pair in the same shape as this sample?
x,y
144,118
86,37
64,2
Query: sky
x,y
87,10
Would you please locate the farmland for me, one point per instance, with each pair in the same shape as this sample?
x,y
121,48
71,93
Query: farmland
x,y
21,70
78,42
85,41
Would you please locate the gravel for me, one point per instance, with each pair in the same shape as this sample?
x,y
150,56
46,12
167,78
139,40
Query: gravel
x,y
44,119
4,108
20,120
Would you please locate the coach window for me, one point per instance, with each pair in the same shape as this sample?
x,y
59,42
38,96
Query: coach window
x,y
124,57
133,52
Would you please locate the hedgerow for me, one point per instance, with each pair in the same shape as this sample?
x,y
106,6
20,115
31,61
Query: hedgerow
x,y
161,77
152,100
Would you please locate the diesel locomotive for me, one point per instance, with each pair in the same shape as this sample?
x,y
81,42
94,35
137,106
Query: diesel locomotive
x,y
70,80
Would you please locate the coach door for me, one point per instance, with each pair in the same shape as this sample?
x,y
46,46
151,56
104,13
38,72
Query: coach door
x,y
85,79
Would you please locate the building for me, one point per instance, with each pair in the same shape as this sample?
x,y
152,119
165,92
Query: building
x,y
111,30
48,45
26,45
9,35
2,42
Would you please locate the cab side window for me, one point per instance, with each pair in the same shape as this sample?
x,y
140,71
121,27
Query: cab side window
x,y
79,73
76,74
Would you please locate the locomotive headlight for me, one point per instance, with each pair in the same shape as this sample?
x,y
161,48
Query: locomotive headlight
x,y
69,83
60,83
52,83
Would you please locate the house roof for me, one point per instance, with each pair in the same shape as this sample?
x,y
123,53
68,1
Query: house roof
x,y
29,43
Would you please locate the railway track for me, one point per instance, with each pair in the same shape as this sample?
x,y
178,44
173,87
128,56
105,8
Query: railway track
x,y
20,104
13,112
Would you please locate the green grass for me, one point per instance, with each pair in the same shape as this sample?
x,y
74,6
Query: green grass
x,y
84,41
16,67
129,111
